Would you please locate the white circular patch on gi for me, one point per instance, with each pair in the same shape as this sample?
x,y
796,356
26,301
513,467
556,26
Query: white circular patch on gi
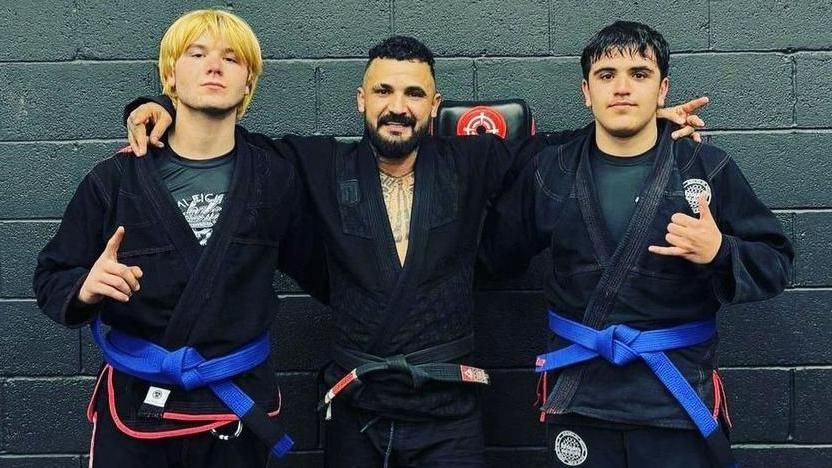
x,y
693,187
570,448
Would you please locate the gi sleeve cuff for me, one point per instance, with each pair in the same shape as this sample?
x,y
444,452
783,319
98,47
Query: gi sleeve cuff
x,y
75,314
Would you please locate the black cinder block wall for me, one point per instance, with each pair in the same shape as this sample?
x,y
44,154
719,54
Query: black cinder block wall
x,y
67,67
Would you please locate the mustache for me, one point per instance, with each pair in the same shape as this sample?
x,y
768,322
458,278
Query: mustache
x,y
401,119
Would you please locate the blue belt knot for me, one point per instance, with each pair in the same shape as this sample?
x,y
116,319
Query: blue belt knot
x,y
181,366
612,343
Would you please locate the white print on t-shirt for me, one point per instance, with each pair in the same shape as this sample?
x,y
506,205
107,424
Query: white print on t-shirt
x,y
202,212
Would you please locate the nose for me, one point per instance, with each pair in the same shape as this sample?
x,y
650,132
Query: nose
x,y
622,85
397,104
214,63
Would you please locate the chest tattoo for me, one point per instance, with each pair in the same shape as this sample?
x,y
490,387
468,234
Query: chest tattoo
x,y
398,198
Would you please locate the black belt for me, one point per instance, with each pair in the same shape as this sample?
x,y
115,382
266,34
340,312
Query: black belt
x,y
422,366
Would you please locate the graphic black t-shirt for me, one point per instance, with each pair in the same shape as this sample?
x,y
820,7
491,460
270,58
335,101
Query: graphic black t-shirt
x,y
198,187
618,181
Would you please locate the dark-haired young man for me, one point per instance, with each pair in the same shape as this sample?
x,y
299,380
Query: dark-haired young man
x,y
649,239
400,213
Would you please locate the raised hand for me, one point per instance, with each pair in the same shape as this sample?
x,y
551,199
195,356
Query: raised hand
x,y
684,115
137,124
696,240
108,277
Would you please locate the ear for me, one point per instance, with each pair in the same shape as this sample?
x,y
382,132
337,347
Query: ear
x,y
434,109
170,80
359,99
664,87
170,77
585,91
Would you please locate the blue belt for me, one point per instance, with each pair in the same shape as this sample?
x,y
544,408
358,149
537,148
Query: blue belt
x,y
186,368
621,345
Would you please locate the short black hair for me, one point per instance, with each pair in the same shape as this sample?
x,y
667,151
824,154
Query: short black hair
x,y
402,48
626,37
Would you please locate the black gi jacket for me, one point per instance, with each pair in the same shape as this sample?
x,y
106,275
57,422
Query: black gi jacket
x,y
215,298
553,204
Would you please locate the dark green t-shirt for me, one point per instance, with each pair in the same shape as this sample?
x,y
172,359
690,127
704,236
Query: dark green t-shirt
x,y
618,181
198,188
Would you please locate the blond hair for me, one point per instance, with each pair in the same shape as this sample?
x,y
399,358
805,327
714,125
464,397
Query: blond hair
x,y
221,25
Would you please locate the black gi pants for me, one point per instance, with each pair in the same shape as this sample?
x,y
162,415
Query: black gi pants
x,y
110,448
597,446
358,439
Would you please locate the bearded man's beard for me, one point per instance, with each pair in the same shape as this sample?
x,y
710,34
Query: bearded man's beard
x,y
396,149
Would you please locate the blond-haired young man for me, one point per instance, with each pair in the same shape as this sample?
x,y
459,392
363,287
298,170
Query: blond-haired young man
x,y
176,253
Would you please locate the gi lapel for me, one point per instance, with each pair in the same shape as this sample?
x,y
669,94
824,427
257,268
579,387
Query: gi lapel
x,y
382,233
202,266
399,300
629,249
173,222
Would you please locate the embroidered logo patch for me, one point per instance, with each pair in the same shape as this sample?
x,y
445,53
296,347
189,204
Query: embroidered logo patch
x,y
693,187
157,396
570,448
349,193
473,374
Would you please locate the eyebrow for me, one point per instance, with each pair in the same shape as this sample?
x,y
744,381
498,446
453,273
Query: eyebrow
x,y
196,45
644,69
408,90
415,90
603,70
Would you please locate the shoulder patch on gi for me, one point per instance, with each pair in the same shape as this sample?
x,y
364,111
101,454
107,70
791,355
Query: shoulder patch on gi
x,y
570,448
693,187
349,193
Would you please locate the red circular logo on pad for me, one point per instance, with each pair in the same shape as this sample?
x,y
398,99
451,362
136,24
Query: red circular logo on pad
x,y
481,120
